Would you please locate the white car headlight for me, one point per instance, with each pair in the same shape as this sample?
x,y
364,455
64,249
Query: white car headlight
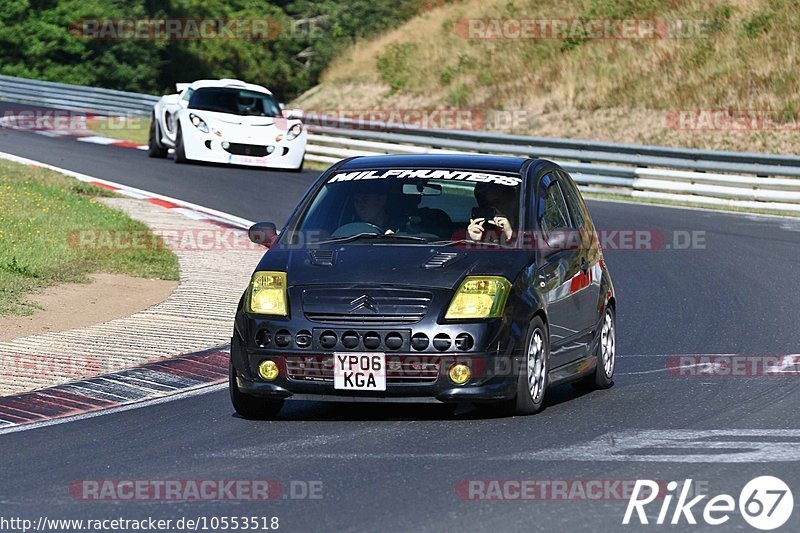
x,y
294,132
198,123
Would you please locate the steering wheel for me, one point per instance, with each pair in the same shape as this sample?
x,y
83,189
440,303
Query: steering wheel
x,y
354,228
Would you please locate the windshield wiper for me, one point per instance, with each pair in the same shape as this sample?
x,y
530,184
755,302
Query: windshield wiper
x,y
476,244
376,236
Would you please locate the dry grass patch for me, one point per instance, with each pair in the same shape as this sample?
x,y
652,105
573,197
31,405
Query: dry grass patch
x,y
745,58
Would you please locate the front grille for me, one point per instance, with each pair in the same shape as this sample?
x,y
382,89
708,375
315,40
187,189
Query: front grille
x,y
365,306
399,369
364,318
247,149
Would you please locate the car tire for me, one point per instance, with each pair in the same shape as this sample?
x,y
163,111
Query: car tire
x,y
532,379
154,148
249,406
180,151
603,375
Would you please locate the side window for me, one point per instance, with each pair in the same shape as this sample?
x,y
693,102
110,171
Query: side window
x,y
555,215
573,202
187,95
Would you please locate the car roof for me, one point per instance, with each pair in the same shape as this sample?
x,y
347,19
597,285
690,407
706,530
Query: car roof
x,y
228,82
482,162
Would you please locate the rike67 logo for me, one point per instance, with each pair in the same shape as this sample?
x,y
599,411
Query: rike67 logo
x,y
765,503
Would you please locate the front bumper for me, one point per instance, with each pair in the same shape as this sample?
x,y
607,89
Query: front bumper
x,y
498,390
208,147
413,374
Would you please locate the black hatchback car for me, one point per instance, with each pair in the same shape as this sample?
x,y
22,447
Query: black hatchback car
x,y
443,278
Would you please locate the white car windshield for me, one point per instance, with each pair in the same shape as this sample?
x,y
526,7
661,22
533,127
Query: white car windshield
x,y
235,102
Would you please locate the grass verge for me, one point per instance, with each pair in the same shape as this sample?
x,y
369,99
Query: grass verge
x,y
122,128
40,213
316,165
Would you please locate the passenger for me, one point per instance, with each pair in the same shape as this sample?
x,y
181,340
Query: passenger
x,y
496,213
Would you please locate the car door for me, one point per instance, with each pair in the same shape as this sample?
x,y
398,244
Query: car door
x,y
590,248
588,282
559,268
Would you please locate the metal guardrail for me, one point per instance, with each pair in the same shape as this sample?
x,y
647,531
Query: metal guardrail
x,y
727,190
75,97
585,151
734,179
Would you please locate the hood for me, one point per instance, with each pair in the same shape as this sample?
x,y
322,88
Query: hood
x,y
396,265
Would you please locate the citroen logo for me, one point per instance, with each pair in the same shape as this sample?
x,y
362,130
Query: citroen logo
x,y
364,301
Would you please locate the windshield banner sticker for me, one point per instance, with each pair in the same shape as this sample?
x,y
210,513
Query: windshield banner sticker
x,y
460,175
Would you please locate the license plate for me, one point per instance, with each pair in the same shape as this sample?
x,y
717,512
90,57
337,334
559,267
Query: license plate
x,y
359,371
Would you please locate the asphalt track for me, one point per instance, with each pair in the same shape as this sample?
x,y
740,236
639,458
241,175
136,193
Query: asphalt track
x,y
396,467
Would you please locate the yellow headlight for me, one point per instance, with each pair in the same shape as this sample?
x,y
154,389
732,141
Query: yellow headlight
x,y
479,297
268,294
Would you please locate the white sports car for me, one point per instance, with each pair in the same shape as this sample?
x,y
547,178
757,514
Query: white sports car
x,y
226,121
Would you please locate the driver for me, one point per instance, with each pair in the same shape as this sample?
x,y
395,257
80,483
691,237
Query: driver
x,y
247,105
370,206
499,204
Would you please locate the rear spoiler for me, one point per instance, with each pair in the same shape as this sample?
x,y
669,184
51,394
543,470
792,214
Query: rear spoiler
x,y
180,87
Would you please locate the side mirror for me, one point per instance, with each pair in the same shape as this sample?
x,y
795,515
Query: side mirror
x,y
563,239
263,233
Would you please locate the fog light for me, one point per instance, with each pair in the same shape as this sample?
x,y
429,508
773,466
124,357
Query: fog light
x,y
226,145
459,373
268,370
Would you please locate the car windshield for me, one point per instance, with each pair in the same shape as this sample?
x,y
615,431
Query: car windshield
x,y
235,102
407,206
